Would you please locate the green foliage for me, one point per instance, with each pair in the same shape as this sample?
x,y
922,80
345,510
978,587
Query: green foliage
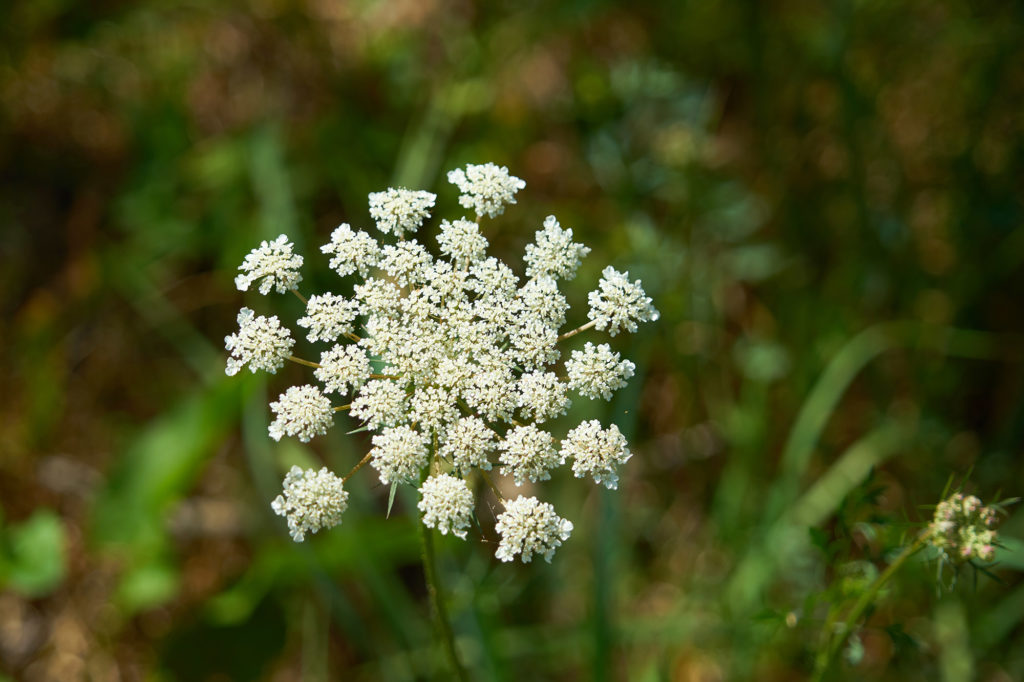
x,y
823,202
33,554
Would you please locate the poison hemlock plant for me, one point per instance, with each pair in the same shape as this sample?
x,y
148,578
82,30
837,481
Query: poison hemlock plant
x,y
452,362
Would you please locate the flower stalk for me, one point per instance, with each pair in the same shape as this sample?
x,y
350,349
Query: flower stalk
x,y
437,603
832,645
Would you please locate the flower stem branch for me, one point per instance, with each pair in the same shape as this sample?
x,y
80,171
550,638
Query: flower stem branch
x,y
342,408
357,467
437,604
577,330
307,363
302,298
831,646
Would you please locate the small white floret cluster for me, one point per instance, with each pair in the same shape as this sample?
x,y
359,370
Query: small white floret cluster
x,y
452,361
311,500
963,529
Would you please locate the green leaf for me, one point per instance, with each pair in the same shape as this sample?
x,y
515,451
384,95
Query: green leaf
x,y
37,562
147,586
391,498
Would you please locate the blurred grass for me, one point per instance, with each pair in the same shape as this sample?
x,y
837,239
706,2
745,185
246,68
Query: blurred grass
x,y
824,202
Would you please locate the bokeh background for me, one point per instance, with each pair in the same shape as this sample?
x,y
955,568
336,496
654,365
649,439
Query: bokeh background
x,y
824,199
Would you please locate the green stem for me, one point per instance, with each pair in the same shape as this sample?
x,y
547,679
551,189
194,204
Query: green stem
x,y
829,650
444,626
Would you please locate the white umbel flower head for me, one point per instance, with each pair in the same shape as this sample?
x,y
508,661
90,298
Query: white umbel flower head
x,y
468,443
352,251
302,411
486,189
491,392
596,452
312,500
533,344
398,211
433,409
342,368
527,453
398,455
261,342
408,262
596,371
528,527
447,504
452,356
381,402
328,317
618,303
461,241
541,299
554,254
542,396
492,279
273,265
377,296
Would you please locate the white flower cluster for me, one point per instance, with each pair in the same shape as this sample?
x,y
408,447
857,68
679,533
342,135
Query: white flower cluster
x,y
273,265
529,526
597,452
486,189
964,529
311,500
447,504
303,412
619,304
261,342
399,211
453,362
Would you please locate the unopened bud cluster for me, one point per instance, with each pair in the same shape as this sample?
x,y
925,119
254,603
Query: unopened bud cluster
x,y
452,361
964,529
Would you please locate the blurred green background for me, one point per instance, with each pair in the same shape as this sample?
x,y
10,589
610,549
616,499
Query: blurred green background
x,y
823,199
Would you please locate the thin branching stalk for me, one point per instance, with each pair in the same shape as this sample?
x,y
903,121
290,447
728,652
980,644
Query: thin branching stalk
x,y
300,361
357,467
832,645
577,330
